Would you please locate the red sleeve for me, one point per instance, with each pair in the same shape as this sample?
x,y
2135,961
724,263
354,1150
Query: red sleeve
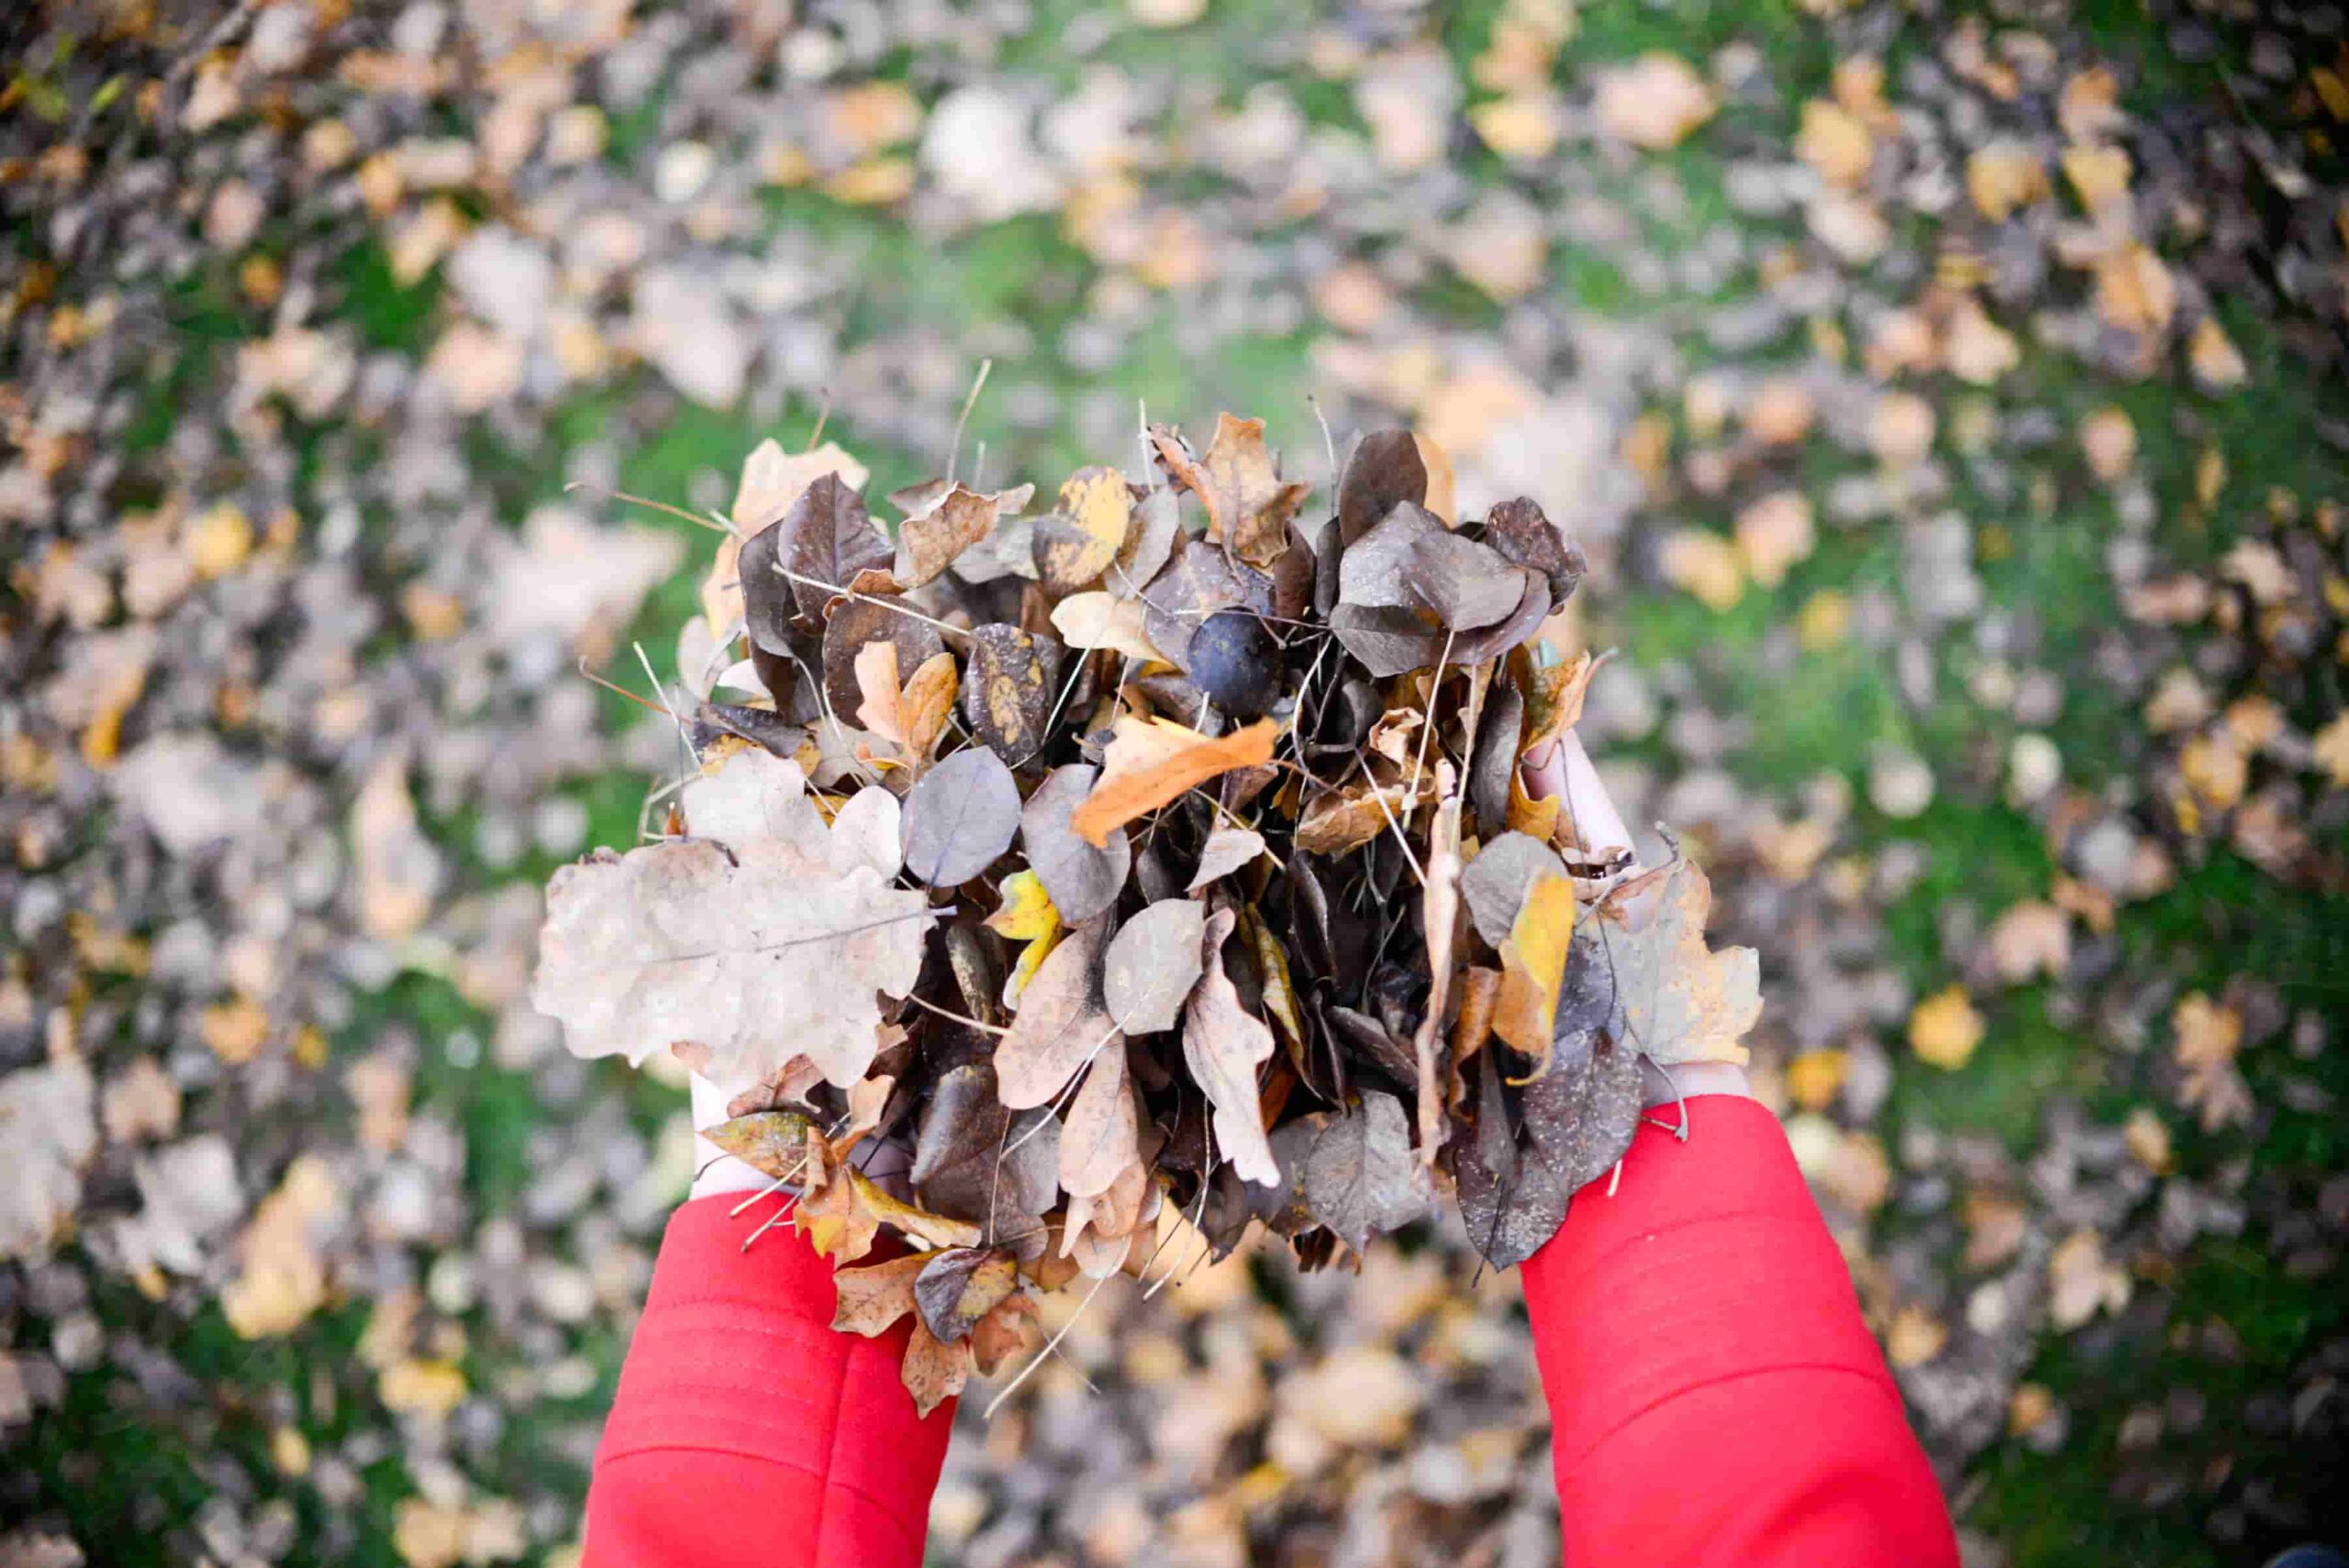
x,y
746,1432
1714,1395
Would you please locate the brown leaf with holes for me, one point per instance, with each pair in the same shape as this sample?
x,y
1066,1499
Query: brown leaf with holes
x,y
871,1299
933,1371
1248,507
928,541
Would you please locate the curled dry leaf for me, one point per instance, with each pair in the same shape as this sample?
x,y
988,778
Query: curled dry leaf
x,y
1101,1135
933,1371
871,1299
774,1143
1099,621
1228,849
1224,1044
1248,507
930,541
1002,1333
854,626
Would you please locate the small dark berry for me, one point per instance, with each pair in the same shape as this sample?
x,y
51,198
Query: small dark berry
x,y
1236,664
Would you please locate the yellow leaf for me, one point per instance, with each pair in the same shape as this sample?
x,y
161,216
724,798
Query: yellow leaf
x,y
2217,363
1707,565
428,1388
1945,1028
2330,749
1522,126
1835,142
1816,1077
2003,176
1096,502
1027,913
2099,175
1533,965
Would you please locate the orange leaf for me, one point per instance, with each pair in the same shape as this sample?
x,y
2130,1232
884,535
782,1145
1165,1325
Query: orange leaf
x,y
1177,758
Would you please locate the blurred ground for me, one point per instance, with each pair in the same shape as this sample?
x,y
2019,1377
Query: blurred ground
x,y
1951,399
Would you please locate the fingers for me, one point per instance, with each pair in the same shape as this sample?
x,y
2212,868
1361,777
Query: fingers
x,y
718,1170
1561,767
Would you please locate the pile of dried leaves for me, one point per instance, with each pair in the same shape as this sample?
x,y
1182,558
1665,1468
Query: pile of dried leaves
x,y
1171,847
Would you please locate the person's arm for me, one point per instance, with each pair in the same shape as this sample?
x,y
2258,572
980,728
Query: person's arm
x,y
1714,1393
746,1432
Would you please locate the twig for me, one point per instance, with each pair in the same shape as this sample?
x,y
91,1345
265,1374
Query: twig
x,y
1050,1346
868,599
954,454
940,914
620,691
684,737
961,1018
823,416
693,517
1329,446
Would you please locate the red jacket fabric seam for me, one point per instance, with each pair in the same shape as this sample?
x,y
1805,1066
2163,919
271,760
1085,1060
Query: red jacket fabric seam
x,y
1881,1384
898,1519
